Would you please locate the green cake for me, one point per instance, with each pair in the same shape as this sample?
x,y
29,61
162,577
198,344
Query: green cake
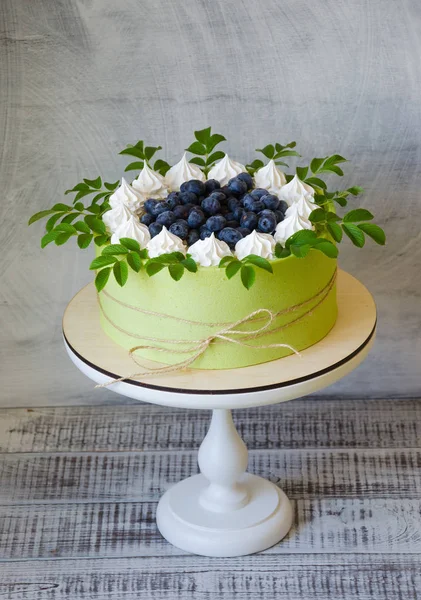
x,y
209,263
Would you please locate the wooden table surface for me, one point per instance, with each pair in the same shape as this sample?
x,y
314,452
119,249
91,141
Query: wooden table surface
x,y
79,488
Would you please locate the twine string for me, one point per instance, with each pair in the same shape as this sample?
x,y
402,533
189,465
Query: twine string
x,y
198,347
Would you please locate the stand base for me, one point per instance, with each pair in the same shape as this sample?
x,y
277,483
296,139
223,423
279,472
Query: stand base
x,y
264,521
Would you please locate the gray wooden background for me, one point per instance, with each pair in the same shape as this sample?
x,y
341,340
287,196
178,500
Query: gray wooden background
x,y
81,78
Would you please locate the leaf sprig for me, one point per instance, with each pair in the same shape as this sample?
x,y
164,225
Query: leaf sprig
x,y
175,262
232,266
273,152
300,243
118,258
353,224
204,149
145,154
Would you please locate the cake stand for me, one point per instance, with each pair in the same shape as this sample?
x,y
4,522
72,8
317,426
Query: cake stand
x,y
225,511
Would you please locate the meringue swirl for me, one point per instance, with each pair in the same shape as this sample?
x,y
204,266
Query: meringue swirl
x,y
132,229
208,252
181,172
164,243
150,184
261,244
225,169
291,224
116,217
294,190
270,178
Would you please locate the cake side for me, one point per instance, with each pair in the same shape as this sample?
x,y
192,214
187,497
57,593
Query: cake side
x,y
207,297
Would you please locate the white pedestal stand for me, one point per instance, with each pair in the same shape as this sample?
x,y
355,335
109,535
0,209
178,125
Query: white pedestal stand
x,y
225,511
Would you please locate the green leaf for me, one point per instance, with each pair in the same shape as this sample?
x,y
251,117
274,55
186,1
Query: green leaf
x,y
79,206
114,249
203,135
134,261
302,172
260,262
190,264
359,214
332,217
143,253
225,260
62,238
334,169
100,240
130,244
161,166
374,231
134,166
281,252
60,207
80,187
70,217
102,261
315,164
268,151
102,278
96,225
281,164
81,226
218,155
99,196
300,251
232,268
197,148
355,235
214,140
196,160
153,267
341,201
111,186
151,150
318,215
256,164
66,228
52,221
81,195
335,231
49,237
355,190
121,272
94,183
303,237
84,239
248,276
327,248
176,271
40,215
335,158
316,182
94,208
133,151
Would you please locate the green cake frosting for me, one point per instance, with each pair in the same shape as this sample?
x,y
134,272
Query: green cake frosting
x,y
208,297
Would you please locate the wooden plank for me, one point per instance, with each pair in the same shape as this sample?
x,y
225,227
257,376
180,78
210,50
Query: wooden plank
x,y
304,423
86,477
128,529
263,576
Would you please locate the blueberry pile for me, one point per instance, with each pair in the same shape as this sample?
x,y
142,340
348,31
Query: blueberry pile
x,y
230,212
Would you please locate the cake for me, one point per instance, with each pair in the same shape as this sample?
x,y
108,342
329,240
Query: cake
x,y
209,263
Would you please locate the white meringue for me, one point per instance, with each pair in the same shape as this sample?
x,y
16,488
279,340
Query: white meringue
x,y
270,178
225,169
181,172
304,206
261,244
150,184
126,194
116,217
293,190
164,243
134,230
208,252
290,225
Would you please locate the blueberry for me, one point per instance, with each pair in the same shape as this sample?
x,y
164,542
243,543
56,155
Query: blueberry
x,y
166,218
267,222
249,220
211,185
180,228
270,201
188,198
252,204
172,200
211,205
196,217
230,236
216,223
224,210
149,205
225,190
258,193
193,237
247,178
237,187
205,233
182,211
154,229
147,219
244,231
238,213
283,206
232,223
233,203
220,196
159,208
279,216
194,185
